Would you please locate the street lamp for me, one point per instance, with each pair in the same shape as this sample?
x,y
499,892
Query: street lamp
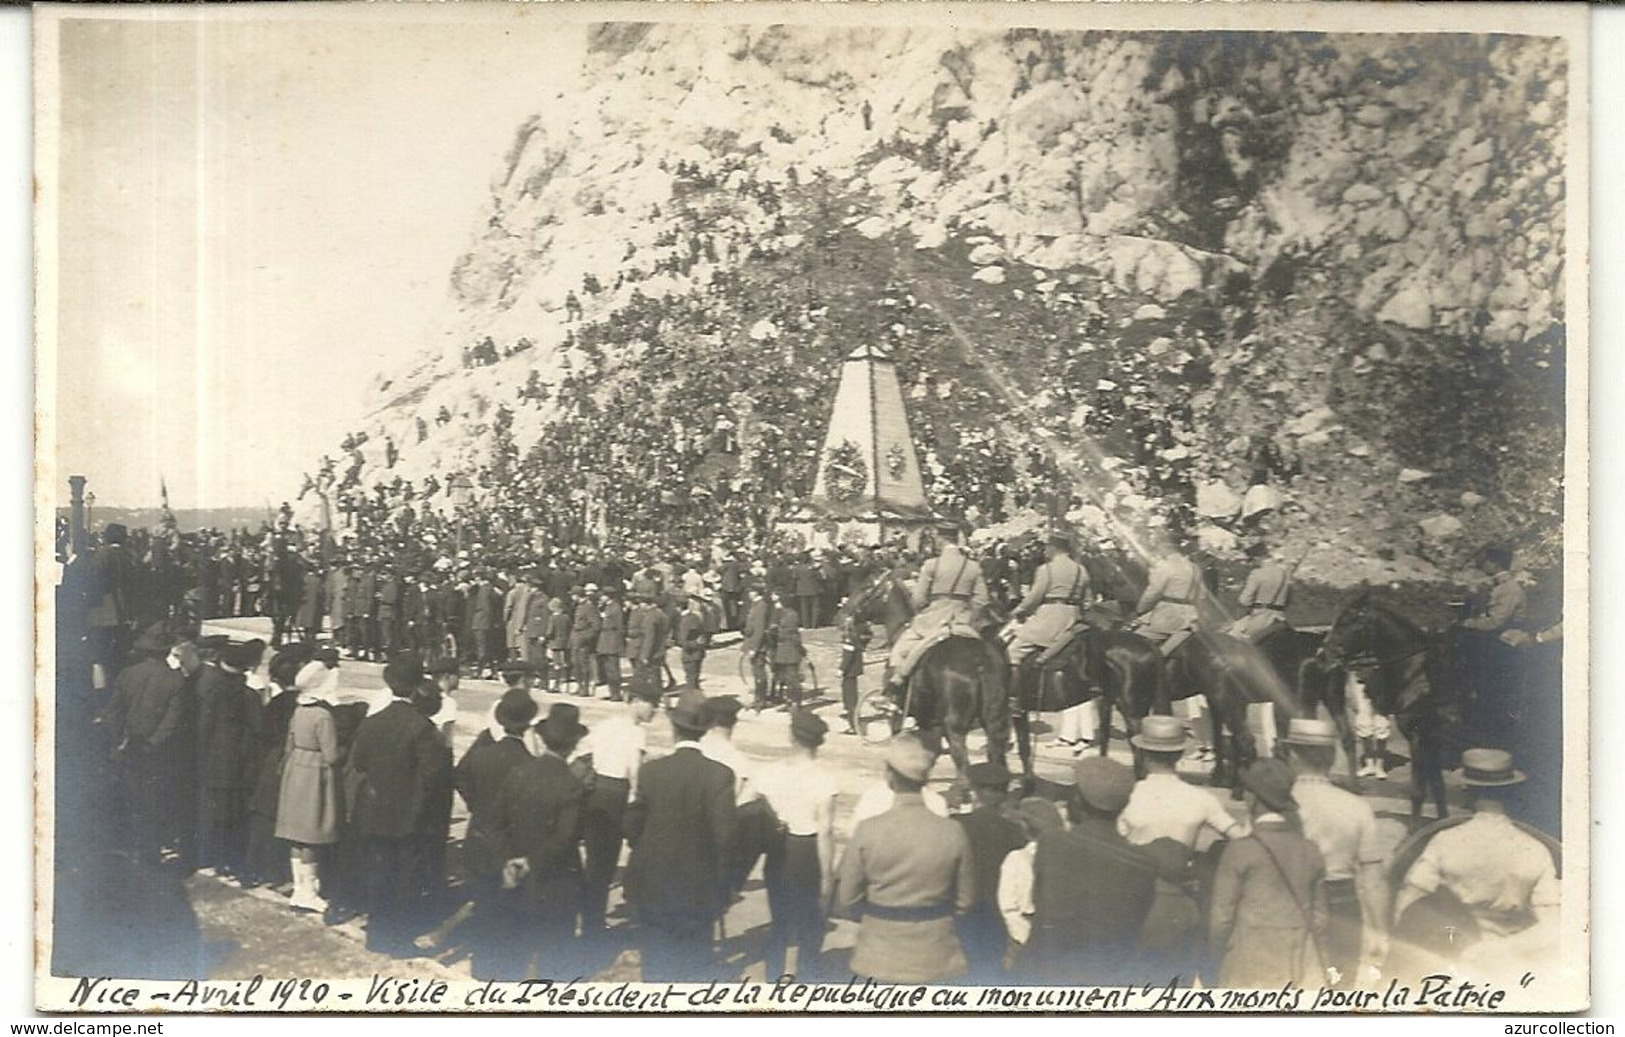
x,y
462,493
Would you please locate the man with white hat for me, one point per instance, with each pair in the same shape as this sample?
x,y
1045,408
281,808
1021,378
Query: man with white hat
x,y
1504,877
904,877
1162,805
1344,827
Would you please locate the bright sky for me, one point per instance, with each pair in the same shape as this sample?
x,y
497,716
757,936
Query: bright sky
x,y
256,217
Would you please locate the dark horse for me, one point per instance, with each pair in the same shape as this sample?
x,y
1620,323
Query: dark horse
x,y
1231,673
1105,662
1404,672
957,684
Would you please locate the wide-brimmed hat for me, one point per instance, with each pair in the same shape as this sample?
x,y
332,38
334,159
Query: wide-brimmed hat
x,y
689,711
1489,769
563,721
516,709
1160,734
989,774
909,758
1104,784
1310,732
808,727
1271,781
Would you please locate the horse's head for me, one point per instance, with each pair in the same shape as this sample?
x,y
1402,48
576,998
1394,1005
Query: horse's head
x,y
876,600
1351,639
1368,633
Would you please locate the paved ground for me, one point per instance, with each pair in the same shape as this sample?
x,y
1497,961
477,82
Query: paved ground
x,y
255,932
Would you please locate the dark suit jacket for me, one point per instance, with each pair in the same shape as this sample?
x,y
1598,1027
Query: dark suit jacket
x,y
395,764
481,774
1091,893
228,730
152,707
681,828
538,816
992,837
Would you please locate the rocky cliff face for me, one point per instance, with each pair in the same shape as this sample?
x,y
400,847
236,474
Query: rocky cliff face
x,y
1197,260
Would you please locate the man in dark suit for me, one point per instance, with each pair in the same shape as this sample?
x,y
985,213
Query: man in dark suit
x,y
366,604
394,767
389,613
228,734
993,835
151,722
681,827
481,775
485,623
538,818
1092,889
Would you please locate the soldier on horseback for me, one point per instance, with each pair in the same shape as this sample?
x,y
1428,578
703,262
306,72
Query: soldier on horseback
x,y
1167,608
1264,596
950,594
1052,608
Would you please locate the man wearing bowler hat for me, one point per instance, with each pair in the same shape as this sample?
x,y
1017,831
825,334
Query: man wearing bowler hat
x,y
1091,889
538,821
395,765
1162,805
905,876
681,827
1344,827
481,775
1504,877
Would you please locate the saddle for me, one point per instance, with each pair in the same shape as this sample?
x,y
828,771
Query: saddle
x,y
1052,658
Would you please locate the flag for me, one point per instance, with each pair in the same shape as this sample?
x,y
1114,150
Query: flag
x,y
163,492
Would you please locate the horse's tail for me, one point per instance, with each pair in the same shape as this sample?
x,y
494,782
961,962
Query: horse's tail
x,y
995,701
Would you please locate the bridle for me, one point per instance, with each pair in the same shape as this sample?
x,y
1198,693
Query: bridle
x,y
1365,659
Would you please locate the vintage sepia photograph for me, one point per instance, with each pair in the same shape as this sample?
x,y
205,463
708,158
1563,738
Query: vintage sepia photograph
x,y
810,508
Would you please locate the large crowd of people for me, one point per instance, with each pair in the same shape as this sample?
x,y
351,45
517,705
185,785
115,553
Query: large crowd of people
x,y
182,751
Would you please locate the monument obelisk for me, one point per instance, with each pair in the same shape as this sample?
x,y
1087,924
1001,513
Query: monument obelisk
x,y
868,485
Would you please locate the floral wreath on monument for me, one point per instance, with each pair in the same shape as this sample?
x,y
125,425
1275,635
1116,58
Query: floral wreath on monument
x,y
845,473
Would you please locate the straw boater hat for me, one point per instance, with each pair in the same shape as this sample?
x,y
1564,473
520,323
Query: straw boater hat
x,y
1489,769
1310,732
1160,734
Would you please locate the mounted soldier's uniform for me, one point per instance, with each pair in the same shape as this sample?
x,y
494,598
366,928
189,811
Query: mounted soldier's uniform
x,y
950,595
1265,596
1168,607
1054,604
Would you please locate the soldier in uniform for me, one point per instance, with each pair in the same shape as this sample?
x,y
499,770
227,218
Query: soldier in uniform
x,y
949,594
558,645
1053,605
584,638
612,640
1168,605
1264,596
787,651
647,648
365,643
693,637
755,643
